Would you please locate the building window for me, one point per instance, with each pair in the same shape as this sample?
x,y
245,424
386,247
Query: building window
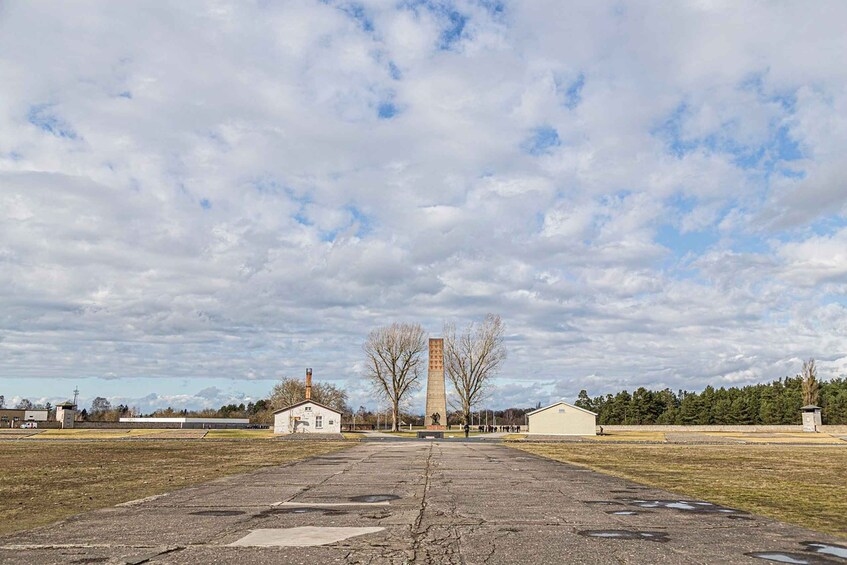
x,y
319,421
331,422
561,410
308,408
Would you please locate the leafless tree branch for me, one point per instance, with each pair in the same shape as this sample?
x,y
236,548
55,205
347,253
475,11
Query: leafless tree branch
x,y
394,362
472,359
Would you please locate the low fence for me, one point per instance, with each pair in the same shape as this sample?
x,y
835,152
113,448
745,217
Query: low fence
x,y
158,426
747,429
52,425
48,425
357,427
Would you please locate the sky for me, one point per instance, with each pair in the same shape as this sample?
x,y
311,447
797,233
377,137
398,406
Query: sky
x,y
200,198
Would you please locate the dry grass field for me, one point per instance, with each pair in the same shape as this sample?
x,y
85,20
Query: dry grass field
x,y
45,480
803,485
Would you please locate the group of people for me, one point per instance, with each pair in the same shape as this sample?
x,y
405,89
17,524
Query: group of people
x,y
490,429
507,429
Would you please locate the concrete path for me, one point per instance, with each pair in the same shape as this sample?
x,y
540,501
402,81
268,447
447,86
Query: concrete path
x,y
419,502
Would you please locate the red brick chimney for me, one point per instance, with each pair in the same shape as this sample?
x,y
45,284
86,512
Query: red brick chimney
x,y
308,384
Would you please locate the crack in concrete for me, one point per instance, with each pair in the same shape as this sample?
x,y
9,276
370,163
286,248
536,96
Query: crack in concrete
x,y
416,533
138,560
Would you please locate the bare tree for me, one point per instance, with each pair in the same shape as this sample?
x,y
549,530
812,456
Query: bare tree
x,y
100,405
472,359
291,391
395,362
811,386
25,404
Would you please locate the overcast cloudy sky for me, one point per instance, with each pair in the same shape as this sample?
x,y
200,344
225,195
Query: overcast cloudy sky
x,y
197,199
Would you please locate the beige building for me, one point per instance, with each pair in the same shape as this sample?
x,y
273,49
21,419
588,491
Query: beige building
x,y
66,414
13,418
562,419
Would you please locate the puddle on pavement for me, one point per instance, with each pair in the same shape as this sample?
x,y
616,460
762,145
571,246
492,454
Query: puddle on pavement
x,y
660,537
820,548
790,557
685,506
374,498
603,502
218,513
301,510
625,512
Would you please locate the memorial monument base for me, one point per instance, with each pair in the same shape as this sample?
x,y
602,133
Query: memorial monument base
x,y
434,427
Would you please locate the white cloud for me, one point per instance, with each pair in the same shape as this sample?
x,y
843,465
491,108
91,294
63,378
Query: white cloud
x,y
238,191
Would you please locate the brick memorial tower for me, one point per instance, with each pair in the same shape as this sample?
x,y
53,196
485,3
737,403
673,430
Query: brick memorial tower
x,y
436,397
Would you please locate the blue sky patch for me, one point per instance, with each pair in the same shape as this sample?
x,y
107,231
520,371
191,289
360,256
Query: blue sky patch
x,y
454,22
394,71
493,7
573,94
359,217
358,14
42,117
452,32
542,140
301,219
828,225
785,147
779,147
206,204
681,244
386,110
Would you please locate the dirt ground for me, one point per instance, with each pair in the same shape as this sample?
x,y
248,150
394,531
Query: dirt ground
x,y
46,480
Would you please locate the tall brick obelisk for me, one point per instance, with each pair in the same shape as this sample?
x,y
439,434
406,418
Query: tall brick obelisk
x,y
436,397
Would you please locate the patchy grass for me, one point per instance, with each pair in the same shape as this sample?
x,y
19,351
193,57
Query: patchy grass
x,y
51,480
80,433
629,436
803,485
790,437
239,434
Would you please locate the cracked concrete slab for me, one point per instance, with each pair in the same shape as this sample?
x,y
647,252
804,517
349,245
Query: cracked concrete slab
x,y
421,502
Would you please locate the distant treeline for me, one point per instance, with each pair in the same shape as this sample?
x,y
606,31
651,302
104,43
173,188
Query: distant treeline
x,y
778,402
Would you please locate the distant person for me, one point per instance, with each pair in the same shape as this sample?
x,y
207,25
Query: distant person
x,y
467,430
